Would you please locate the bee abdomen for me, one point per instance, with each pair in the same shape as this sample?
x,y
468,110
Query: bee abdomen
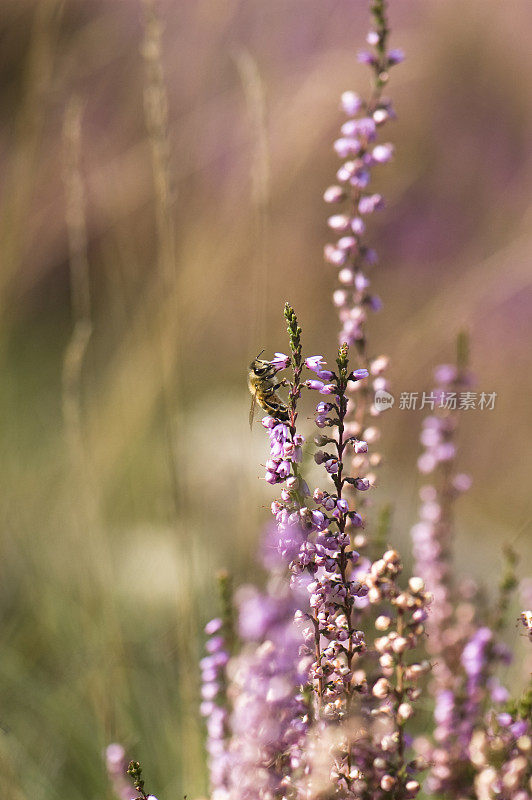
x,y
274,406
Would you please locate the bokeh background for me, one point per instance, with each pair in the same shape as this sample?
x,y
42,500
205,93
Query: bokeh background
x,y
129,474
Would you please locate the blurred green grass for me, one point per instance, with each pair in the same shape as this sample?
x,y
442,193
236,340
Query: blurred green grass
x,y
106,583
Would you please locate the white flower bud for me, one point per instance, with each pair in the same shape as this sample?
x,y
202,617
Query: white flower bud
x,y
416,585
404,712
386,661
382,688
399,645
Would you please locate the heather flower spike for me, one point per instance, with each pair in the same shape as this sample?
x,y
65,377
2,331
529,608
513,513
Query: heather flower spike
x,y
360,151
216,706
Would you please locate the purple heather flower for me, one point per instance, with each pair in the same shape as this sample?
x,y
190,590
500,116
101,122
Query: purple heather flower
x,y
351,103
281,361
395,56
520,728
382,153
347,243
370,203
358,226
213,626
361,282
365,128
359,374
366,57
334,255
360,179
334,194
346,147
314,363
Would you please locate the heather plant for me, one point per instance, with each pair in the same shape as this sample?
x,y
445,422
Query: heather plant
x,y
312,684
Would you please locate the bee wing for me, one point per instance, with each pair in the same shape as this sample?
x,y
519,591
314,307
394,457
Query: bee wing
x,y
252,410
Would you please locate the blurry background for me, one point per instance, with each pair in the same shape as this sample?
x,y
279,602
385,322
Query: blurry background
x,y
129,475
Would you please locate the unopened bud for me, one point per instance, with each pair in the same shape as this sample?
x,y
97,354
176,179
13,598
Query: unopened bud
x,y
387,782
416,585
399,645
404,712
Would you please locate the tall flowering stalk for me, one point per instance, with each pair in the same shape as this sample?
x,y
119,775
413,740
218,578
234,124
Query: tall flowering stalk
x,y
215,704
360,151
432,536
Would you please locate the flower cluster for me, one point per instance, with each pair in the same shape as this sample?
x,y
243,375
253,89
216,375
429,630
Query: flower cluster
x,y
270,714
502,757
393,681
285,450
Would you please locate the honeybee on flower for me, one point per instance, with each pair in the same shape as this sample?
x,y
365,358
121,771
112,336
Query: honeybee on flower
x,y
263,386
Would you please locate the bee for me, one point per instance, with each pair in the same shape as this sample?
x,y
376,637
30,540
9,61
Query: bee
x,y
263,386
